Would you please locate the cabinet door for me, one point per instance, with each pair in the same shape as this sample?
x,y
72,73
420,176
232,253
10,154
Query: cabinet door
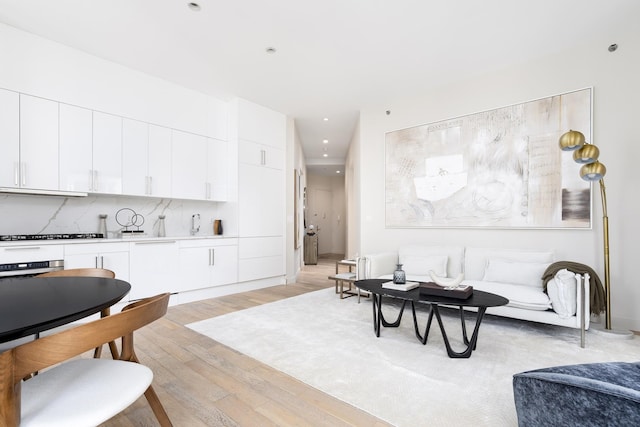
x,y
107,153
118,262
153,268
261,201
75,148
189,164
9,138
194,268
135,141
217,170
38,143
159,161
224,265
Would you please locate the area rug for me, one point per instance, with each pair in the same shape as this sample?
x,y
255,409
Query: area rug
x,y
330,344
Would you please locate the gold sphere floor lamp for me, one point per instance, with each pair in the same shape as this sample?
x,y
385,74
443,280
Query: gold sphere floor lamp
x,y
592,170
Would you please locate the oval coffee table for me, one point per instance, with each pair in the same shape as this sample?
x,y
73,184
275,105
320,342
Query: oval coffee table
x,y
481,300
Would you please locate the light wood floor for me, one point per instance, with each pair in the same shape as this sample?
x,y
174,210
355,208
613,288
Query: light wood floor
x,y
204,383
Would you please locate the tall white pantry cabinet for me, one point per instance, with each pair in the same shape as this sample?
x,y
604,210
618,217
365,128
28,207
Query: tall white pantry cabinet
x,y
261,138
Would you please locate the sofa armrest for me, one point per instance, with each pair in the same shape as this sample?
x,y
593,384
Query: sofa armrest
x,y
375,265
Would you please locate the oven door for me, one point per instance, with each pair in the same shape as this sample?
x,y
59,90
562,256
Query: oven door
x,y
30,268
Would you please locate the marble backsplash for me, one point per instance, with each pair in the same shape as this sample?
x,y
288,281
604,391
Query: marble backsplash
x,y
34,214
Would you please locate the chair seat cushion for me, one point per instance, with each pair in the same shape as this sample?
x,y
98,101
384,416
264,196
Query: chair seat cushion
x,y
82,392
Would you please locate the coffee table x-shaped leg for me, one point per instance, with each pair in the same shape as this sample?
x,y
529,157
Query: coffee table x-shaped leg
x,y
434,309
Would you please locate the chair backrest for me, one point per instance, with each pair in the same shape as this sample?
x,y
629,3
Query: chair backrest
x,y
20,361
75,272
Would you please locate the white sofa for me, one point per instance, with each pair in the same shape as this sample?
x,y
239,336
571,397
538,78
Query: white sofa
x,y
513,274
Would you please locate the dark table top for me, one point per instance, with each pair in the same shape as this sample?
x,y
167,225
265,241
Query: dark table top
x,y
478,299
35,304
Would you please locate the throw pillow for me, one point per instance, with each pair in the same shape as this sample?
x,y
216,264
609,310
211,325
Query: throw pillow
x,y
515,272
562,291
415,265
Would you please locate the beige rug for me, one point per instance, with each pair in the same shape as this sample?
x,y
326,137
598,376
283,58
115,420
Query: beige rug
x,y
329,344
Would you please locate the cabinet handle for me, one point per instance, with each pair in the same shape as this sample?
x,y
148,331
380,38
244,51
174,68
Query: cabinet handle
x,y
22,248
212,257
16,172
155,242
95,180
101,261
150,185
91,180
263,157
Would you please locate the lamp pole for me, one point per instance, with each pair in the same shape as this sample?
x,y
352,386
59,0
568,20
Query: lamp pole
x,y
605,232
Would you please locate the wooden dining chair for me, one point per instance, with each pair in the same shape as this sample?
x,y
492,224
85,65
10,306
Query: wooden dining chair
x,y
82,391
89,272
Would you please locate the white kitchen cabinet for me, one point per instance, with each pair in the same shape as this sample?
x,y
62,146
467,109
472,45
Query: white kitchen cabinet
x,y
154,268
217,170
146,160
38,166
112,256
261,141
107,153
189,166
159,158
261,201
208,262
31,253
262,125
9,138
76,148
260,257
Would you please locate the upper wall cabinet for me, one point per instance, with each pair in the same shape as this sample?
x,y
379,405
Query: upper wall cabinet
x,y
107,153
76,153
146,160
217,170
38,165
189,163
261,125
9,138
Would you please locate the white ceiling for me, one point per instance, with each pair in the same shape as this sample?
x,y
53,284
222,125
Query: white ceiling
x,y
333,56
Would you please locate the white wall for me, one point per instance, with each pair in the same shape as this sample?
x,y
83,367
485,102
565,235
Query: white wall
x,y
352,196
295,162
616,108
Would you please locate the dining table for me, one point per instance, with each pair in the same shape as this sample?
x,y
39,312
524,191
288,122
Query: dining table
x,y
31,305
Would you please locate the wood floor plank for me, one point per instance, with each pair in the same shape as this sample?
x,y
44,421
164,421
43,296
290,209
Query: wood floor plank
x,y
203,383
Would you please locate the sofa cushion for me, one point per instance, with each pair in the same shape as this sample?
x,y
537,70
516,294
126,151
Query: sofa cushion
x,y
516,272
519,296
563,290
454,254
415,265
475,259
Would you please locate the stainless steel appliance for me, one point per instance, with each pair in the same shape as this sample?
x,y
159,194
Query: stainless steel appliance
x,y
36,265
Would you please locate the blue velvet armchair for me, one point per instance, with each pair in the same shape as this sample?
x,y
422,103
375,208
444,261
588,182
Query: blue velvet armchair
x,y
594,394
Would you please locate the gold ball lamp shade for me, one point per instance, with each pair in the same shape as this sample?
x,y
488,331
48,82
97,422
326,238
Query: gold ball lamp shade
x,y
593,171
588,153
571,140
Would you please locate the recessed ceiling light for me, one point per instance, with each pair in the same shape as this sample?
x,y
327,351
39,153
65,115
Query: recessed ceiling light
x,y
325,141
325,155
194,6
337,171
271,50
326,119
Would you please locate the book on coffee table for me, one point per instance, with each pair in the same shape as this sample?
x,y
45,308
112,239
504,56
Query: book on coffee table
x,y
457,292
407,286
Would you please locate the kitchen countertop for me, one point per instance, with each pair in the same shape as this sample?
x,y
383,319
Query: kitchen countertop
x,y
112,240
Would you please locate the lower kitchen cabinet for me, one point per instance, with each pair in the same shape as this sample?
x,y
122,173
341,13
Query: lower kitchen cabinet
x,y
154,268
112,256
260,257
209,262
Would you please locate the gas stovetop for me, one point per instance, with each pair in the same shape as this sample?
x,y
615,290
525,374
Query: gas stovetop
x,y
63,236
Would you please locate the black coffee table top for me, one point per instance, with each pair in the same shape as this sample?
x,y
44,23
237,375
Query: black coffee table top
x,y
35,304
478,299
